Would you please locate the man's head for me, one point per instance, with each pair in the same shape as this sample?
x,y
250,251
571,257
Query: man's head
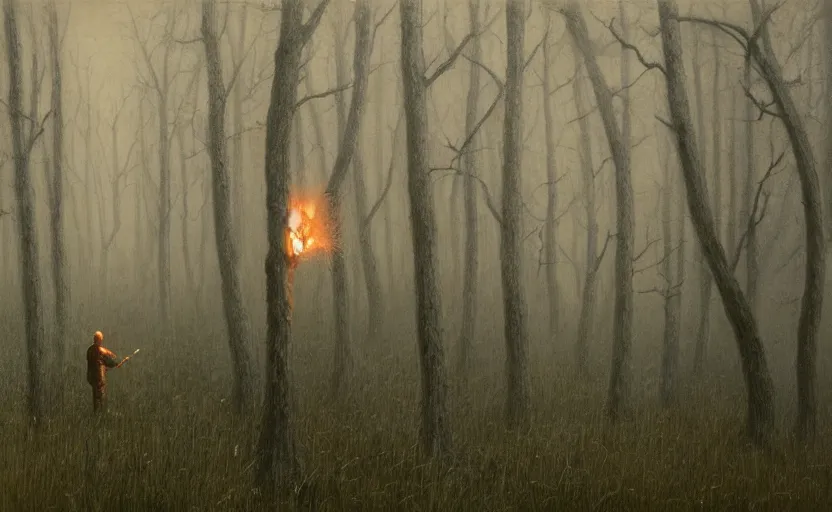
x,y
98,337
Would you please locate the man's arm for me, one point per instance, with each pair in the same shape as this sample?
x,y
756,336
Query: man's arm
x,y
108,357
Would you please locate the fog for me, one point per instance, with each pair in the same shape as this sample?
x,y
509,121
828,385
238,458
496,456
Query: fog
x,y
120,59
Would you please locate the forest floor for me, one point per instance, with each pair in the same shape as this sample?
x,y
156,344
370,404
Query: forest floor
x,y
170,442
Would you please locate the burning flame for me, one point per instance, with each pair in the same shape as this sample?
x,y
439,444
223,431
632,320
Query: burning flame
x,y
308,229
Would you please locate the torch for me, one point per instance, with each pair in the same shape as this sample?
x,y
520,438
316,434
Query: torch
x,y
127,358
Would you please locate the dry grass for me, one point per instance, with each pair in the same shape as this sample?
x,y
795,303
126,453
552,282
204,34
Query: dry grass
x,y
170,443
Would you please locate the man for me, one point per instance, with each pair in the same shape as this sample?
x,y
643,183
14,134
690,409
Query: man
x,y
99,359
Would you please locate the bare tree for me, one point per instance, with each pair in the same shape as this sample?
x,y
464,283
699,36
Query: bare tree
x,y
703,327
22,144
435,432
120,170
511,227
56,193
550,235
586,318
760,421
160,82
618,139
757,46
277,459
469,168
349,128
236,316
752,265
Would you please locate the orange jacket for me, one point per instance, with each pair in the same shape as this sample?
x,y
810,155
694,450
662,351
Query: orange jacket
x,y
98,360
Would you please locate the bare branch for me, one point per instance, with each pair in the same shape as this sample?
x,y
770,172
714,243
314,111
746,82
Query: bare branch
x,y
324,94
633,48
445,66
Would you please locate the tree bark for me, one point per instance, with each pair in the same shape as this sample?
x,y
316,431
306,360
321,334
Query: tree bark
x,y
511,227
349,130
703,328
469,186
550,238
236,315
752,267
26,221
618,140
56,195
586,319
435,432
760,420
672,289
278,464
827,32
805,427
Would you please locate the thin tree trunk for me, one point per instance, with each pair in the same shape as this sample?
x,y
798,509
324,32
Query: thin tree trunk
x,y
238,158
236,316
26,222
827,32
619,145
56,188
672,292
586,318
550,237
811,308
190,283
703,329
760,421
733,168
469,169
435,432
752,268
372,281
349,130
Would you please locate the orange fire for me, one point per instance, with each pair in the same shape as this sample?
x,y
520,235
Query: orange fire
x,y
308,227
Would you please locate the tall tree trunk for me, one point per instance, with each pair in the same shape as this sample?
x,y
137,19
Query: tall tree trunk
x,y
733,168
550,237
703,328
672,292
190,283
752,267
618,140
811,308
56,196
163,254
760,421
469,169
236,316
26,222
349,130
238,157
372,281
278,464
511,227
435,432
716,145
827,32
586,319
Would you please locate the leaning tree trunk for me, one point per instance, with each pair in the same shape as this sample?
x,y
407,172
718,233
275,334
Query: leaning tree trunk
x,y
26,221
236,316
56,195
752,267
618,139
586,318
435,432
827,32
733,166
278,464
760,421
511,227
815,275
550,237
469,191
349,128
703,328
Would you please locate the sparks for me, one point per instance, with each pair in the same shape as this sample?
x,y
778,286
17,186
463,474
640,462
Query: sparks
x,y
308,228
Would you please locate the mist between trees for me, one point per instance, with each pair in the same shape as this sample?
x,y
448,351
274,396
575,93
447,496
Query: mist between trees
x,y
625,201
